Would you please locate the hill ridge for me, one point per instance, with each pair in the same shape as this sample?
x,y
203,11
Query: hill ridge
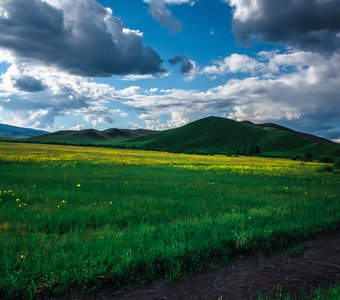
x,y
225,136
210,135
89,136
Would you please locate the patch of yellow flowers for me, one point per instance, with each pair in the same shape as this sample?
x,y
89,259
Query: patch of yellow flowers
x,y
67,156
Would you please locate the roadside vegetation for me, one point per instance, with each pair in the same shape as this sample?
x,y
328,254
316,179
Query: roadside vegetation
x,y
332,293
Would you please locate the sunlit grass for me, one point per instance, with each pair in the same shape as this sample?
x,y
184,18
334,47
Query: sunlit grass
x,y
74,218
52,154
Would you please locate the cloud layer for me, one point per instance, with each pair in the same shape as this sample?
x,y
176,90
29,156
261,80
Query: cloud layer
x,y
299,89
304,24
35,96
81,37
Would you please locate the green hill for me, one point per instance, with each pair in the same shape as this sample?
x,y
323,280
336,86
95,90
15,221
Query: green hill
x,y
127,133
90,136
207,136
225,136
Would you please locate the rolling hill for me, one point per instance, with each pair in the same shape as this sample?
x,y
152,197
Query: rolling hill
x,y
212,135
90,136
8,131
225,136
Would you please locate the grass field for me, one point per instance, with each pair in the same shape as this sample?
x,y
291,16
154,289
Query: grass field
x,y
77,218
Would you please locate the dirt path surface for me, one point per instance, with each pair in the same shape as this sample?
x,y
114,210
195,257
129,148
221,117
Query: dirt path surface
x,y
319,265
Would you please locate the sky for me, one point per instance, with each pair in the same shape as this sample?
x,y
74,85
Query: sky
x,y
159,64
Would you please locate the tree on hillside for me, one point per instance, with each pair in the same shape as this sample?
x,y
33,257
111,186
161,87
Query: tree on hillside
x,y
308,157
253,150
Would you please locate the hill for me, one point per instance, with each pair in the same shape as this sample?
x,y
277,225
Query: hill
x,y
225,136
90,136
212,135
8,131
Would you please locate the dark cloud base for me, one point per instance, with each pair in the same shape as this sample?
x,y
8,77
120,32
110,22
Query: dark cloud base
x,y
186,64
29,84
83,39
304,24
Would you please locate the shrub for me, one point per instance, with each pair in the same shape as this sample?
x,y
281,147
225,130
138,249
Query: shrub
x,y
337,164
308,157
326,169
326,159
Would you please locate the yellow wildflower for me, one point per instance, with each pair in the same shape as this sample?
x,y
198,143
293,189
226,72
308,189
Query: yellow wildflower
x,y
5,226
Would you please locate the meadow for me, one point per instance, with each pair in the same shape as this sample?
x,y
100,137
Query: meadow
x,y
81,218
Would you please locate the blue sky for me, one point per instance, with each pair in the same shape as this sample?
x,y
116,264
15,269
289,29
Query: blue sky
x,y
195,39
160,64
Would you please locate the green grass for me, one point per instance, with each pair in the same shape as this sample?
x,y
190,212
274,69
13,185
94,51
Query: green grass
x,y
76,224
332,293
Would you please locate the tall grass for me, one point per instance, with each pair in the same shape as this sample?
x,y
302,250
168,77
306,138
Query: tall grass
x,y
332,293
90,217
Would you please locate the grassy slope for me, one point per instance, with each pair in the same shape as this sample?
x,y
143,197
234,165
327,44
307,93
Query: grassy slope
x,y
89,219
90,136
209,135
225,136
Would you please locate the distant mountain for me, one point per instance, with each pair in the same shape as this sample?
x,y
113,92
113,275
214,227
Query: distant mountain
x,y
8,131
225,136
90,136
